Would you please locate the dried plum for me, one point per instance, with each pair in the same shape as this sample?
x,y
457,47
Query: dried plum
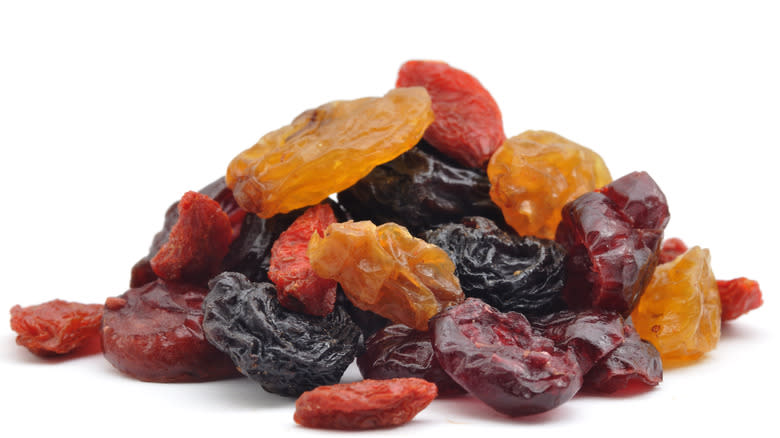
x,y
286,352
507,271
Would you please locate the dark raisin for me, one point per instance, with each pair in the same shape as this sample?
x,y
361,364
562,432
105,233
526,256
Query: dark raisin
x,y
286,352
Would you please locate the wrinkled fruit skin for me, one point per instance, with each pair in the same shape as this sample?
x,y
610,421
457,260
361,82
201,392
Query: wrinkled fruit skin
x,y
197,242
300,289
142,272
634,360
591,334
680,312
400,351
738,297
287,353
153,333
420,189
468,126
509,272
533,175
326,150
387,271
369,322
368,404
612,238
55,327
499,359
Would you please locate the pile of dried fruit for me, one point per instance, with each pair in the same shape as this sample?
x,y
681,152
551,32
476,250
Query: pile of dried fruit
x,y
454,261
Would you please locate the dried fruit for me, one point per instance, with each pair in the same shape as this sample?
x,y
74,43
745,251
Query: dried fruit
x,y
387,271
400,351
420,189
509,272
153,333
499,359
738,297
534,174
634,360
299,288
670,249
612,237
680,312
369,404
286,352
197,242
326,150
55,327
468,125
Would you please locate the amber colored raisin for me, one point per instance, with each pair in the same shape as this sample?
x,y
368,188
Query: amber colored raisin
x,y
299,288
500,359
468,125
326,150
738,297
635,360
154,333
55,327
368,404
387,271
670,249
197,243
534,174
680,312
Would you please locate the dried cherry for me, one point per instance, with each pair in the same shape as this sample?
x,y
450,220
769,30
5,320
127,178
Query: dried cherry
x,y
55,327
368,404
635,360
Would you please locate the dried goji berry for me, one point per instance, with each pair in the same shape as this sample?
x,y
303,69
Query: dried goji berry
x,y
368,404
738,297
468,125
55,327
197,243
298,287
670,249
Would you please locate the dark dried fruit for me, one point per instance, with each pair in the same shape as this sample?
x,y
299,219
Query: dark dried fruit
x,y
612,236
634,360
738,297
400,351
499,359
368,404
468,125
509,272
286,352
369,322
197,242
420,189
153,333
300,289
55,327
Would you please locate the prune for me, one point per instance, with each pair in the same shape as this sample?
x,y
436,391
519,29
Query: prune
x,y
387,271
142,272
299,288
612,237
368,404
634,360
680,311
400,351
534,174
154,333
286,352
507,271
55,327
738,297
591,334
418,190
498,358
326,150
468,125
197,242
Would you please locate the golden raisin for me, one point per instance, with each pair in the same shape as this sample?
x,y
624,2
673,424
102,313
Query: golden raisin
x,y
326,150
387,271
532,176
680,311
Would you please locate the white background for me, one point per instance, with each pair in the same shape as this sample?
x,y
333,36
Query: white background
x,y
109,113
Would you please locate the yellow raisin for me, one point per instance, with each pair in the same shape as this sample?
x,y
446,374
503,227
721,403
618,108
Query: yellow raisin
x,y
326,150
